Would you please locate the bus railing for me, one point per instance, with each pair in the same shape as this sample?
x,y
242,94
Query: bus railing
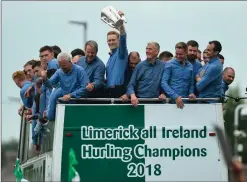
x,y
147,100
21,135
25,148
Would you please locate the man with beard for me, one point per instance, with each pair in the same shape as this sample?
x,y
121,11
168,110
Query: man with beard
x,y
228,78
192,56
133,60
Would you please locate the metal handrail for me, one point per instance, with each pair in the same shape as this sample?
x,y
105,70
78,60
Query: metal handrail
x,y
22,125
166,100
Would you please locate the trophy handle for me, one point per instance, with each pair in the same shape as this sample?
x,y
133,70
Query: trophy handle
x,y
123,18
104,19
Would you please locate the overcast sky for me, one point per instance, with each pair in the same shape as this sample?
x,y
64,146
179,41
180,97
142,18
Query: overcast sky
x,y
27,26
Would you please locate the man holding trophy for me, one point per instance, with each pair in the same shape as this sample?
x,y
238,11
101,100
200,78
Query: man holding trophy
x,y
117,63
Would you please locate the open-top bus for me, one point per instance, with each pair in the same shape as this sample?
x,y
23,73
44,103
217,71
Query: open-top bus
x,y
114,141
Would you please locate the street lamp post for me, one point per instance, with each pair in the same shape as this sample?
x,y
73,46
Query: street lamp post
x,y
84,31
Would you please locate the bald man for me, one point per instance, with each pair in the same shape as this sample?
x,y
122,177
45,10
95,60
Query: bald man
x,y
228,77
133,60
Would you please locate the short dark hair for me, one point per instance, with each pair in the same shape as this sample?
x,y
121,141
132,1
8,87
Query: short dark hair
x,y
181,45
56,50
217,46
77,52
165,54
199,51
220,56
45,48
31,62
37,63
192,43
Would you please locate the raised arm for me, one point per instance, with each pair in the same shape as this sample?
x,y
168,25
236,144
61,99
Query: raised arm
x,y
123,40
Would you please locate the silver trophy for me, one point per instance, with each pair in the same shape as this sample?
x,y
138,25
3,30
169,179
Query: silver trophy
x,y
111,17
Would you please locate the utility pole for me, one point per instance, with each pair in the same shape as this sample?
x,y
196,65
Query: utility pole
x,y
84,30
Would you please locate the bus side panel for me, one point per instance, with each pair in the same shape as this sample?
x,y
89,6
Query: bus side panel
x,y
110,170
191,166
191,158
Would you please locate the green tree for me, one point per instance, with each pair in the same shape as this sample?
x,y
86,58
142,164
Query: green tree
x,y
230,107
3,157
8,146
11,145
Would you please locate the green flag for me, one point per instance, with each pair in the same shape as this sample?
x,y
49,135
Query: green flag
x,y
18,172
73,174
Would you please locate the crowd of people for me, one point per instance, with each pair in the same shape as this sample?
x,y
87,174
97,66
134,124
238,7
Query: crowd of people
x,y
82,74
